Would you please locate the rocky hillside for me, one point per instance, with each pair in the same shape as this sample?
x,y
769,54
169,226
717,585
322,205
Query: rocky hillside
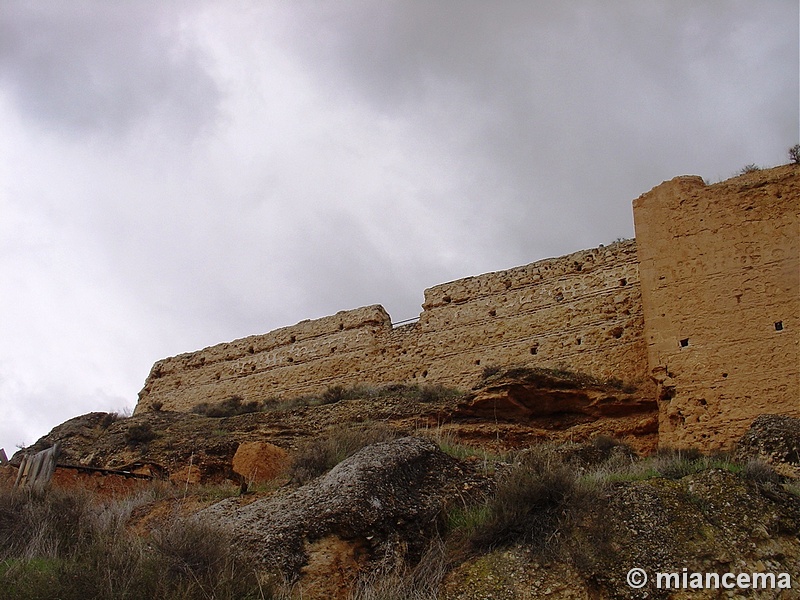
x,y
536,483
509,409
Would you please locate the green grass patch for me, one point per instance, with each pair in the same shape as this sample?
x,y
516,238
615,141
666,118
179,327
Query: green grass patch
x,y
468,519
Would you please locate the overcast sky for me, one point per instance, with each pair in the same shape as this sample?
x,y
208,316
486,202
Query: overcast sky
x,y
178,174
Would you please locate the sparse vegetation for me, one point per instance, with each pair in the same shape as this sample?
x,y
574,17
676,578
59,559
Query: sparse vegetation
x,y
64,544
420,582
794,154
532,503
334,393
537,500
667,463
109,419
321,454
450,444
759,471
139,433
751,168
338,393
490,371
534,374
230,407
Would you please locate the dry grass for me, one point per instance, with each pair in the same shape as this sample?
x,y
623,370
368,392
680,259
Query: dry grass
x,y
68,545
230,407
65,545
532,503
420,582
319,455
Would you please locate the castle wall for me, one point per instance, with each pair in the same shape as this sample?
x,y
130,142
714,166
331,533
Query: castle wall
x,y
711,328
720,271
580,312
291,361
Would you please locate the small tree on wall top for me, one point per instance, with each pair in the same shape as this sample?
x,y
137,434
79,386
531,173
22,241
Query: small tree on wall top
x,y
794,154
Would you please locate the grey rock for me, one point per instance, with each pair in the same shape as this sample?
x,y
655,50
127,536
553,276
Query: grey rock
x,y
389,496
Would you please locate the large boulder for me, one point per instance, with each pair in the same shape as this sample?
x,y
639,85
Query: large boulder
x,y
376,509
259,462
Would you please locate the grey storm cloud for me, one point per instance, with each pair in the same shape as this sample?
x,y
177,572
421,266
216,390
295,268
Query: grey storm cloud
x,y
175,174
537,98
98,66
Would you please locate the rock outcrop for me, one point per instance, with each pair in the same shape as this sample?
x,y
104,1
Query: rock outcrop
x,y
713,521
564,406
258,462
508,410
380,506
774,439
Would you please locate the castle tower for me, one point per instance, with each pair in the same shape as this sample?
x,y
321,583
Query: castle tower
x,y
720,275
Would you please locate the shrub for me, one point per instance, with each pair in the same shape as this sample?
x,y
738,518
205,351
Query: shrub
x,y
436,392
794,154
319,455
421,582
65,545
109,419
192,551
333,394
139,433
230,407
760,471
532,503
674,464
605,443
38,523
490,371
751,168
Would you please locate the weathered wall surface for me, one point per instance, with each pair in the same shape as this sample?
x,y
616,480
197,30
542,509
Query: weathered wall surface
x,y
303,358
714,321
580,312
720,269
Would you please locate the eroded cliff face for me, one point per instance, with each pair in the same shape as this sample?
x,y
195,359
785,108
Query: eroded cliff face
x,y
580,312
720,270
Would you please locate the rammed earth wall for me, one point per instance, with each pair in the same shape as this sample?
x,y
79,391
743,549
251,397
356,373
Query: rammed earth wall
x,y
720,268
580,312
711,329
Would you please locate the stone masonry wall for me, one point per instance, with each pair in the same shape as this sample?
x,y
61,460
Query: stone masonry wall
x,y
581,312
720,270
